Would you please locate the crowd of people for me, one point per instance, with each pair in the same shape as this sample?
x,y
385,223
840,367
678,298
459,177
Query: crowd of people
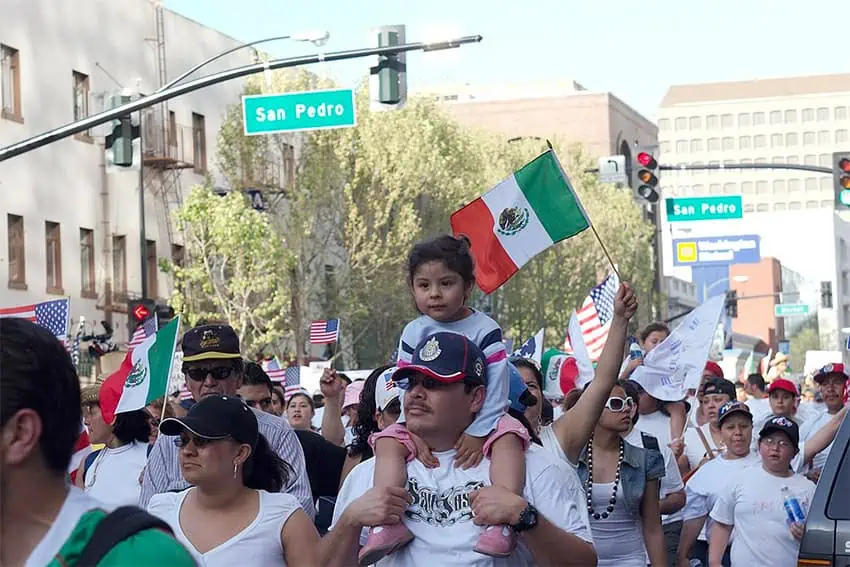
x,y
452,455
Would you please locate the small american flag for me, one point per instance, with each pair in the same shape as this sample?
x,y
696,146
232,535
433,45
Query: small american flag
x,y
52,315
594,316
143,331
274,370
292,376
324,332
184,393
290,391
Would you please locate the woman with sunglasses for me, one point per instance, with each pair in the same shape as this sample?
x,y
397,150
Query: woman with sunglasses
x,y
234,513
622,487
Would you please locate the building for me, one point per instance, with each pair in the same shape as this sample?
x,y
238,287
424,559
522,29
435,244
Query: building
x,y
71,227
681,297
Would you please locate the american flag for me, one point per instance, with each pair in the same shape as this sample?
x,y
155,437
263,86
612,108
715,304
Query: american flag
x,y
594,316
290,391
324,332
293,376
274,370
52,315
143,331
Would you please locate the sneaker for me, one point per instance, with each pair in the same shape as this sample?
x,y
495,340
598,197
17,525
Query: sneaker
x,y
383,540
497,541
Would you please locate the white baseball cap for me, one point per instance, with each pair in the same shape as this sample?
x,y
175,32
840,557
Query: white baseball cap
x,y
385,389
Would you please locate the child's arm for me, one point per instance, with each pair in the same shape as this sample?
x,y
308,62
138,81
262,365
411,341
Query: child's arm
x,y
507,463
678,418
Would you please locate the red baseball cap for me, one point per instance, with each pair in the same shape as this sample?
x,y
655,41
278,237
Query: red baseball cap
x,y
714,369
832,368
783,384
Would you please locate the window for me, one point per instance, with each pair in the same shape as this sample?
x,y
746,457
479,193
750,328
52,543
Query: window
x,y
744,120
695,122
748,208
172,133
713,171
827,204
664,147
794,206
811,185
779,187
728,143
810,159
779,206
664,124
759,141
776,140
53,257
178,255
823,137
681,146
823,114
87,285
698,189
714,144
775,117
808,138
150,262
791,139
729,188
825,184
199,142
747,161
790,116
747,187
712,122
681,124
696,146
119,268
10,83
758,118
808,115
841,113
825,160
745,142
714,189
762,208
777,159
840,136
793,159
727,121
17,252
81,95
794,186
760,160
812,204
761,187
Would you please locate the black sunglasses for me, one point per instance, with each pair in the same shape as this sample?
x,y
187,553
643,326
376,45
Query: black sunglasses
x,y
199,442
261,403
200,374
426,382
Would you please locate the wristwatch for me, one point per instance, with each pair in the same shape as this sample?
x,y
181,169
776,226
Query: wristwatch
x,y
527,519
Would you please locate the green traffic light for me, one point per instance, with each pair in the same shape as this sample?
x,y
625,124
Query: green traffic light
x,y
844,197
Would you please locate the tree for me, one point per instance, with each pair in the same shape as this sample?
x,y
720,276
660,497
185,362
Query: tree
x,y
235,270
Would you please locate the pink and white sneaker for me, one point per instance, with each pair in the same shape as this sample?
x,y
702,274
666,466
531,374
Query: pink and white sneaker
x,y
382,541
497,541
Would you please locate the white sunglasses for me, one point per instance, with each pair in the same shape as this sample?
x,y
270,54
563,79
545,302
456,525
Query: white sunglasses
x,y
619,404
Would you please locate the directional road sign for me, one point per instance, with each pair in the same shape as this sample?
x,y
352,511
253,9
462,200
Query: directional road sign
x,y
612,169
790,309
717,250
704,208
291,112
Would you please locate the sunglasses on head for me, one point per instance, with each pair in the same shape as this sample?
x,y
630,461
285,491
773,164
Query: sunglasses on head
x,y
199,442
200,374
619,404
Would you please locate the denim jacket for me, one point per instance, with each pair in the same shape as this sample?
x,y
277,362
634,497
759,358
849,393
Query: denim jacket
x,y
639,466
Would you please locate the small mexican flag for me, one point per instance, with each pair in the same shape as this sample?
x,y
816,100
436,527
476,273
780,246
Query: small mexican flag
x,y
519,218
145,372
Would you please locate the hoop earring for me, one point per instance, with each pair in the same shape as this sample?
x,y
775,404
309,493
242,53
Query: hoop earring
x,y
235,469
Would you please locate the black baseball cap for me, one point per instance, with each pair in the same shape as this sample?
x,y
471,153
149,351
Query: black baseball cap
x,y
216,417
787,426
448,358
733,407
210,342
719,386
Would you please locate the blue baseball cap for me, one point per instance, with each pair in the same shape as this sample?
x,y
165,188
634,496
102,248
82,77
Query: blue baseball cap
x,y
446,357
520,397
733,406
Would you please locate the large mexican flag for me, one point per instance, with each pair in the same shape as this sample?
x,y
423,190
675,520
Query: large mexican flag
x,y
519,218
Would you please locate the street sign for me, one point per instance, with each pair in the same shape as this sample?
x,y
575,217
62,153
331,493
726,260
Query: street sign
x,y
725,207
718,250
291,112
612,169
790,309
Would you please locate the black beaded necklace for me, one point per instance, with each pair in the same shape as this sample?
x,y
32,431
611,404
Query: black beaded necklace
x,y
589,484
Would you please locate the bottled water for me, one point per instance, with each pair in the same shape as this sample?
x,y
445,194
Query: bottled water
x,y
635,351
793,510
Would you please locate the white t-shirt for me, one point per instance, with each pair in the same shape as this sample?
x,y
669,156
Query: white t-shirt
x,y
809,430
76,504
113,477
658,425
760,408
694,447
755,505
257,544
441,519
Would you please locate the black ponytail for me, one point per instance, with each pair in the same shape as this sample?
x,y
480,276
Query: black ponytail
x,y
265,470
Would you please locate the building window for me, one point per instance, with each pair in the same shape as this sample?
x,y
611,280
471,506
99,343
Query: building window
x,y
825,184
714,189
840,136
681,123
87,285
808,138
823,114
17,252
811,185
178,255
791,139
727,121
53,257
825,160
698,189
779,206
150,263
119,268
81,95
794,186
712,122
760,160
759,141
664,147
729,188
761,187
695,122
749,208
812,205
827,204
728,143
747,161
664,124
696,146
823,137
790,116
775,117
776,140
808,115
762,208
744,120
777,159
793,159
10,83
779,187
199,142
681,146
747,187
758,118
745,142
810,159
841,113
714,144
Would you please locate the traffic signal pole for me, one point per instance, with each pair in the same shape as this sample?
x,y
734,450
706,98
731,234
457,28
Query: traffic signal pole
x,y
72,128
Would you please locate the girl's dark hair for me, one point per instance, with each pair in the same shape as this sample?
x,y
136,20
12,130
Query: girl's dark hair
x,y
520,417
529,365
656,327
633,392
366,424
453,251
307,397
265,470
132,426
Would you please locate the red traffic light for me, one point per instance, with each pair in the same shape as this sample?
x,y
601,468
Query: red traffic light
x,y
844,165
140,312
646,160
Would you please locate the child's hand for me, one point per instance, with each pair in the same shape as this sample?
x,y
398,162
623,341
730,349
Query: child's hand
x,y
423,452
470,451
625,302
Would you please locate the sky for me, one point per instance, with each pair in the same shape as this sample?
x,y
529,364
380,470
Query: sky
x,y
606,45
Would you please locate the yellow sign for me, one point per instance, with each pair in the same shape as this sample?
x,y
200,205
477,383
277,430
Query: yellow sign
x,y
686,251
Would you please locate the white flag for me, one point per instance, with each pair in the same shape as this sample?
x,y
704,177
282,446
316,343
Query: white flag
x,y
583,362
677,364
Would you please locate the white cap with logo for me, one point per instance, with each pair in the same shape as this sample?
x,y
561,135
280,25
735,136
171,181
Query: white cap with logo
x,y
386,389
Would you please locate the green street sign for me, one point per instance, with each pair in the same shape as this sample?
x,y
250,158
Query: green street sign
x,y
291,112
790,309
680,209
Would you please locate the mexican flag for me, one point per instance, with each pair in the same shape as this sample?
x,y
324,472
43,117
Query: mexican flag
x,y
519,218
147,368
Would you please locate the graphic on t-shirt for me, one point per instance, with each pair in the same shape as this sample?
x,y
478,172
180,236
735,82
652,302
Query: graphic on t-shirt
x,y
444,508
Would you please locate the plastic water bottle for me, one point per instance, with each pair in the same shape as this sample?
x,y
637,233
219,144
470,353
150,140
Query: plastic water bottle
x,y
635,351
793,510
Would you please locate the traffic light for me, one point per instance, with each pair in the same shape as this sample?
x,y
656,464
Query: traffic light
x,y
841,179
826,295
138,311
732,303
120,141
391,71
644,173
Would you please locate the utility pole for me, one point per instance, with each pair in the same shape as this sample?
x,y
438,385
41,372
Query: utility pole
x,y
143,238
